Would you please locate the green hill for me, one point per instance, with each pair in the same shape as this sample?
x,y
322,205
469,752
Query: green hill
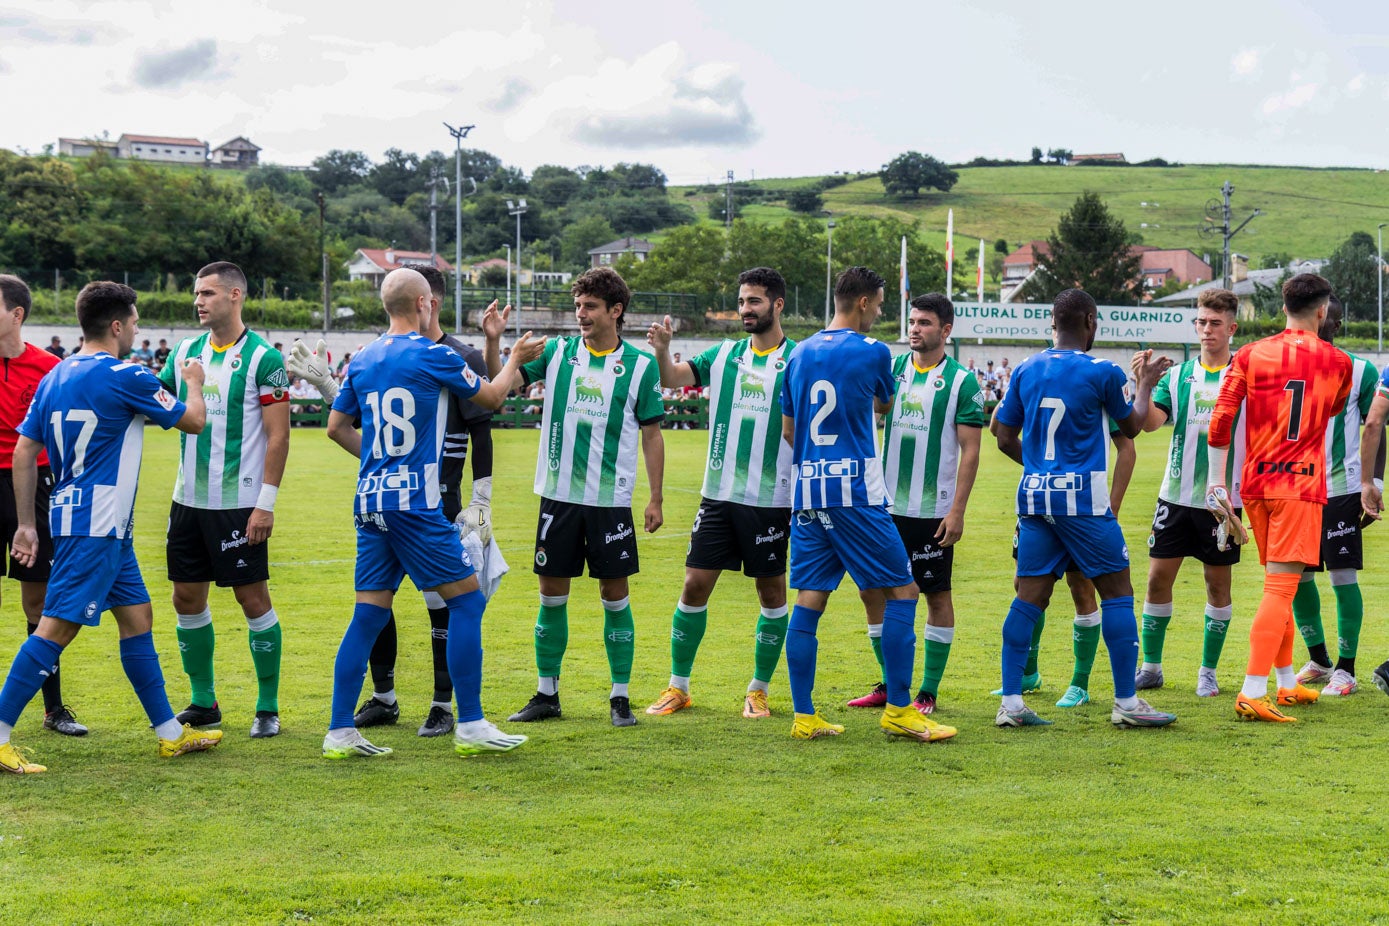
x,y
1307,212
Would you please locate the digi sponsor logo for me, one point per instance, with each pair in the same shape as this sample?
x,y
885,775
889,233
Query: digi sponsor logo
x,y
1292,467
829,469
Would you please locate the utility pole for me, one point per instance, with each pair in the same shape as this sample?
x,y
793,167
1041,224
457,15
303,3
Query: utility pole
x,y
1379,278
517,209
829,263
458,134
1220,210
323,252
728,202
436,180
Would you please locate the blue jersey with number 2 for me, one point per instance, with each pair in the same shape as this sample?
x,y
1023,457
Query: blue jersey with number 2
x,y
1064,400
831,381
397,384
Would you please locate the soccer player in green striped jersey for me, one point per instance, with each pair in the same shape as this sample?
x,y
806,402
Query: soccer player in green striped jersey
x,y
1342,548
930,459
1182,527
602,396
744,516
224,497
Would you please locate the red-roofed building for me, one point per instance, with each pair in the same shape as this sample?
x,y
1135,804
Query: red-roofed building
x,y
1113,158
374,263
162,148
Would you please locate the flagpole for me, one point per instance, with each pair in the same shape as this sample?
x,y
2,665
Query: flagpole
x,y
949,253
905,292
979,276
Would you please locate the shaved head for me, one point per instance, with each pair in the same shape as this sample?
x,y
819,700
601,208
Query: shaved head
x,y
401,291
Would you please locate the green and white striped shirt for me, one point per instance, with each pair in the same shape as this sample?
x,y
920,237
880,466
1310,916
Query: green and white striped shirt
x,y
595,406
921,452
221,468
1343,432
748,462
1187,393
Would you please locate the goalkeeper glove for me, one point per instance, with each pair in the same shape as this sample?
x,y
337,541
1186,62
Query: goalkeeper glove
x,y
477,517
313,368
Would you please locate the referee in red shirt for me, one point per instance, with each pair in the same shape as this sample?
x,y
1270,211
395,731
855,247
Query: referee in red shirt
x,y
21,367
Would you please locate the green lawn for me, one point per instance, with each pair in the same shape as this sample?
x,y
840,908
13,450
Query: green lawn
x,y
703,816
1307,212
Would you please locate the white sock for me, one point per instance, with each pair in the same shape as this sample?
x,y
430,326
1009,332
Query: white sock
x,y
1255,686
757,685
264,622
875,630
1126,704
481,727
385,697
5,733
619,690
1092,619
170,729
441,704
1153,667
549,685
680,681
1287,678
344,735
1013,703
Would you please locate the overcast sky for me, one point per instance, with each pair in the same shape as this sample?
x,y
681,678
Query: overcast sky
x,y
700,87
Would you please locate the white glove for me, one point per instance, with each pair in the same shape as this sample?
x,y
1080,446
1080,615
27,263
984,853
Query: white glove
x,y
313,368
477,517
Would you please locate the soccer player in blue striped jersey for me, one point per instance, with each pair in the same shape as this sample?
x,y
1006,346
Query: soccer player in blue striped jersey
x,y
839,501
397,385
1055,422
89,413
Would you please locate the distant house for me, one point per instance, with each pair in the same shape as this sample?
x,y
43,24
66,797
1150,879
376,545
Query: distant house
x,y
606,255
1158,265
523,277
239,152
85,147
1115,158
374,263
1244,283
162,148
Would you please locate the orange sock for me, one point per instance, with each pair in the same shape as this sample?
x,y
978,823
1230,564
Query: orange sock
x,y
1271,634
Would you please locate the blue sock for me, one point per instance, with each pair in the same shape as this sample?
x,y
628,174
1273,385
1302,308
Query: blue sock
x,y
1017,637
801,647
899,649
141,665
31,667
350,667
1120,629
464,652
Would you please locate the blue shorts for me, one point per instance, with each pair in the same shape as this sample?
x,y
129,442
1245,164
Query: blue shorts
x,y
1049,545
91,575
391,544
827,542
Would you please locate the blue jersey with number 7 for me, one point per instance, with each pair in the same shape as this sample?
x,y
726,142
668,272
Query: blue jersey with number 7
x,y
397,385
1063,400
831,381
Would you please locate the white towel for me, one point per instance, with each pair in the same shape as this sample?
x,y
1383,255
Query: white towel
x,y
489,563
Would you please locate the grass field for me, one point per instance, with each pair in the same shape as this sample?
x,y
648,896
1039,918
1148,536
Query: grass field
x,y
1307,213
703,816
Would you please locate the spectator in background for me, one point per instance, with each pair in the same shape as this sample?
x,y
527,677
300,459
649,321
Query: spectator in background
x,y
161,355
303,397
143,355
342,366
55,347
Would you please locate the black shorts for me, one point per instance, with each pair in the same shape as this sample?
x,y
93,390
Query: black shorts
x,y
210,545
1341,543
727,535
9,523
932,563
567,535
1180,531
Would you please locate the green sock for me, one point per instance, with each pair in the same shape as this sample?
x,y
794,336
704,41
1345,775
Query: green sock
x,y
686,630
938,640
1350,613
1155,630
195,646
1213,640
619,639
265,655
551,634
1031,667
771,635
1307,614
876,641
1085,641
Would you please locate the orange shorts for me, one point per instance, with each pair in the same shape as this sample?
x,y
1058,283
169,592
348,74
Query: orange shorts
x,y
1286,530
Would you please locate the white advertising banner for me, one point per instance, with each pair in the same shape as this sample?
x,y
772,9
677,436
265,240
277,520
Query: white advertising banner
x,y
1123,324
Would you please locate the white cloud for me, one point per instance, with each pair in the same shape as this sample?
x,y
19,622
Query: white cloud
x,y
1355,85
1295,98
1245,62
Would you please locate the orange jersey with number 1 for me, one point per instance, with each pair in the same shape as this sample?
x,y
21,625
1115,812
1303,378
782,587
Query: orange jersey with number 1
x,y
1292,384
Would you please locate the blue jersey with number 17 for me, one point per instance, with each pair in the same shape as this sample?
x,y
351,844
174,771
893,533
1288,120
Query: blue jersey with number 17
x,y
831,381
396,385
1064,400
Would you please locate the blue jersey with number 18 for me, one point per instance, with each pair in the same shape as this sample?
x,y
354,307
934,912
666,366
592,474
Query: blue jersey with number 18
x,y
831,381
396,385
1064,400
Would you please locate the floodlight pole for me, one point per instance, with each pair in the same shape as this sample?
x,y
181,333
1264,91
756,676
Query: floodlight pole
x,y
829,258
458,134
1379,278
517,209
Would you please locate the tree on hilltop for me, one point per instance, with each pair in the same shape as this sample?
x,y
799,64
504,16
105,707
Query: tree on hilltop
x,y
907,173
